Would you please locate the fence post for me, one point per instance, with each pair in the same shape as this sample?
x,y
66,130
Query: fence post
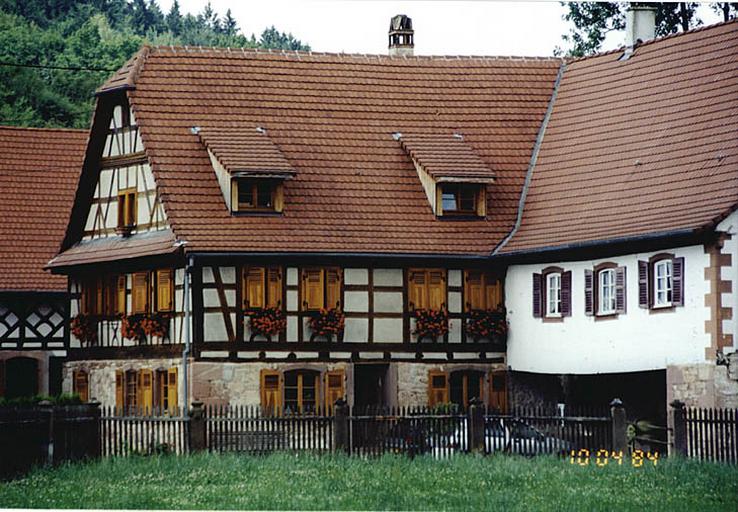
x,y
679,420
475,428
197,427
341,437
619,426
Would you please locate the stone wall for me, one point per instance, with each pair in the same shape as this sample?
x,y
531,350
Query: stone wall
x,y
702,385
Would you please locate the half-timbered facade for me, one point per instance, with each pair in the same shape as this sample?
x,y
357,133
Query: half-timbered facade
x,y
39,170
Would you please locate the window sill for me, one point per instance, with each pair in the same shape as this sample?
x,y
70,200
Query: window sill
x,y
606,316
553,319
660,309
256,213
460,216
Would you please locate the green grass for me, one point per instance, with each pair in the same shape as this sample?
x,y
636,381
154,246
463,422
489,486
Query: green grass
x,y
336,482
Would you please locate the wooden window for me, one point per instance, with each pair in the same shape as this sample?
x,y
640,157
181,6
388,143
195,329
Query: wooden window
x,y
334,388
552,293
81,384
127,208
437,387
120,301
140,293
130,398
300,390
271,392
258,195
604,290
164,290
460,199
321,288
92,301
120,390
465,385
426,289
166,394
482,290
145,388
262,286
498,392
661,282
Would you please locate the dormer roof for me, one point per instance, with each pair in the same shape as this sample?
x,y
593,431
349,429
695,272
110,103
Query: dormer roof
x,y
446,157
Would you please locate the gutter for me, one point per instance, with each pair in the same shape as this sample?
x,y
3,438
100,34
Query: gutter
x,y
533,160
211,256
188,333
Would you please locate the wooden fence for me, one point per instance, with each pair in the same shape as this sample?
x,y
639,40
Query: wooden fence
x,y
708,434
128,432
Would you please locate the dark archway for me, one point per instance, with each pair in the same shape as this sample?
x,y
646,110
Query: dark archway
x,y
21,377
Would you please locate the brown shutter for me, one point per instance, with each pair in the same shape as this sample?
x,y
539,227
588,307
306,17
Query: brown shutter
x,y
279,197
164,287
643,291
119,390
566,293
254,287
271,392
493,292
588,292
677,280
140,293
474,296
537,296
417,289
333,288
121,210
120,301
620,290
172,402
274,287
437,387
98,308
436,289
498,391
131,209
146,390
334,389
312,288
81,383
2,378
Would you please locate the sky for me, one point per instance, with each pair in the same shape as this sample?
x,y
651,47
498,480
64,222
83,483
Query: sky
x,y
441,27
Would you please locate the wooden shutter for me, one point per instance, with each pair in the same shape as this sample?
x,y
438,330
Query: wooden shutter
x,y
620,290
474,296
140,293
537,296
146,390
121,210
271,392
111,295
253,292
99,297
279,197
274,287
334,389
80,384
566,293
677,282
417,289
436,289
131,209
498,391
588,292
172,383
493,292
643,292
437,387
333,288
312,288
119,390
164,289
120,301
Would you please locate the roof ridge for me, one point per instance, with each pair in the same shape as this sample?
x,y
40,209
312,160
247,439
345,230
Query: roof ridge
x,y
310,53
655,40
40,129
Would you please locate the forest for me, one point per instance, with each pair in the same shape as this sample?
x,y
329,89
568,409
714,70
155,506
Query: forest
x,y
55,53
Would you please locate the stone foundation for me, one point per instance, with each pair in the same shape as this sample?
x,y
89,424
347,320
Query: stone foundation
x,y
702,385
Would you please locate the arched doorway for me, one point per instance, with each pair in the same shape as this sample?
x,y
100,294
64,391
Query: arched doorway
x,y
21,377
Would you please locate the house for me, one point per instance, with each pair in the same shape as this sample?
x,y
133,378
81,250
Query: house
x,y
286,229
39,171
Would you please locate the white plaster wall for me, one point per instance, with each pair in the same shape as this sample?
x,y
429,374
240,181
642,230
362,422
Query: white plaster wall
x,y
730,300
635,341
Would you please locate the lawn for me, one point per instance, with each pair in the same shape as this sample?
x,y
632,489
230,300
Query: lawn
x,y
336,482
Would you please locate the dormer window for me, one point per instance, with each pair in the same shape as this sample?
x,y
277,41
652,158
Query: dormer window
x,y
460,199
257,195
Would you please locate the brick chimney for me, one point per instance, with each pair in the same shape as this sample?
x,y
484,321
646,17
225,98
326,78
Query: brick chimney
x,y
401,36
640,23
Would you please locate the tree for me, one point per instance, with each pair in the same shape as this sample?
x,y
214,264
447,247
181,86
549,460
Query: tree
x,y
729,10
594,20
273,38
229,25
174,19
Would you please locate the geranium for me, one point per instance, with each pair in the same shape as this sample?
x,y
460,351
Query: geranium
x,y
267,321
430,323
131,327
487,323
327,322
155,325
84,328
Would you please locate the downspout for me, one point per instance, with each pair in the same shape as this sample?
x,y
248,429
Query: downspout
x,y
188,334
533,160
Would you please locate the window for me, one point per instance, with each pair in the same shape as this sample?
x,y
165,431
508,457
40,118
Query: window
x,y
606,291
300,390
130,395
258,195
426,289
103,296
140,293
166,394
262,287
321,288
552,293
271,394
437,387
81,384
138,390
482,290
661,282
127,208
164,290
466,385
460,199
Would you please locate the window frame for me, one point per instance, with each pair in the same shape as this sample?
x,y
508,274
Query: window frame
x,y
466,375
127,208
270,297
456,189
327,292
300,405
600,294
427,288
668,279
491,285
276,195
547,291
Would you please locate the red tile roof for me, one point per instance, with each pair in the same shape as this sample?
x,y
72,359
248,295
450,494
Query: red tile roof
x,y
332,117
245,151
446,157
39,171
640,146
